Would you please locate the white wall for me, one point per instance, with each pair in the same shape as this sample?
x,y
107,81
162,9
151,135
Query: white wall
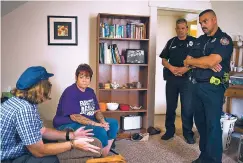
x,y
165,31
229,16
230,20
24,42
182,5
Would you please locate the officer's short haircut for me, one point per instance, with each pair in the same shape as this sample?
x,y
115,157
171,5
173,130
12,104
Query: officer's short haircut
x,y
206,11
181,20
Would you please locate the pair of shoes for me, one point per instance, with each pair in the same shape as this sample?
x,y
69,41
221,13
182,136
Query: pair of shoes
x,y
140,137
153,131
167,136
198,160
136,136
190,140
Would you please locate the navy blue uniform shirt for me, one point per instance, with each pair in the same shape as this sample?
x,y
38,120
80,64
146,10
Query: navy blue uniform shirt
x,y
220,44
175,51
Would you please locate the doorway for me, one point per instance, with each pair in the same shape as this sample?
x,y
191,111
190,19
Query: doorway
x,y
166,23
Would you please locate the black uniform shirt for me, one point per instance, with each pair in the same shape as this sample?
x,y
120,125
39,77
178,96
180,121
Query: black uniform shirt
x,y
221,44
175,51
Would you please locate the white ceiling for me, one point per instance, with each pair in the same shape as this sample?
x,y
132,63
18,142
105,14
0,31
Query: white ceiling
x,y
8,6
171,13
189,16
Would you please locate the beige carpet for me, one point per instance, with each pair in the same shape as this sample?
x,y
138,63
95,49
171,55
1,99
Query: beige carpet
x,y
155,150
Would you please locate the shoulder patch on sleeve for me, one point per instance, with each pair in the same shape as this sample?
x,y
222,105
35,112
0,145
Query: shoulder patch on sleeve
x,y
224,41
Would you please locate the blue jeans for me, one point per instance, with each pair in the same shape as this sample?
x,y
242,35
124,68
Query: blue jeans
x,y
30,159
99,132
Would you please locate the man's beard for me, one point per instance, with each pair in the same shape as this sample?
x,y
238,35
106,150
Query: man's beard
x,y
207,32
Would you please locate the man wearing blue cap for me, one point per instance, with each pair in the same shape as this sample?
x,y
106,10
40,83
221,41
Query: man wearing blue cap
x,y
22,130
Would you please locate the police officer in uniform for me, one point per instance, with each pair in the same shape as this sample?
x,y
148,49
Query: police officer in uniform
x,y
210,55
176,76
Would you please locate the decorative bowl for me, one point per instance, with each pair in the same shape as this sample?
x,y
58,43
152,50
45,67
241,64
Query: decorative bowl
x,y
135,107
112,106
124,107
103,106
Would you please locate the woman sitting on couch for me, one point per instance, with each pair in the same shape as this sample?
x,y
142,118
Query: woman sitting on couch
x,y
78,106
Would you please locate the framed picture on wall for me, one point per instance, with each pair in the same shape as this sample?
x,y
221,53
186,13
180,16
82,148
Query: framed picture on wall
x,y
62,30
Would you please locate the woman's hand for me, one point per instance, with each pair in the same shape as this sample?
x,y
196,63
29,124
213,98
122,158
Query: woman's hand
x,y
79,133
105,125
84,144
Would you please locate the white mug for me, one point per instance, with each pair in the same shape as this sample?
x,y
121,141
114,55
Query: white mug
x,y
239,69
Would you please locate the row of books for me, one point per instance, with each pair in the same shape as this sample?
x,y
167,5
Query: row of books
x,y
109,54
131,30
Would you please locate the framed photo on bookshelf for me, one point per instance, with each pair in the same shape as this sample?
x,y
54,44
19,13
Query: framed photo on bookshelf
x,y
62,30
135,56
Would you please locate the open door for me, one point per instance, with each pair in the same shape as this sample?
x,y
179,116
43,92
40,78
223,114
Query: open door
x,y
192,28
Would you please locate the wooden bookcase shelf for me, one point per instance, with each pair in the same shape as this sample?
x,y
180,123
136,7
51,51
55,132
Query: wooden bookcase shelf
x,y
123,73
236,73
124,64
130,89
129,111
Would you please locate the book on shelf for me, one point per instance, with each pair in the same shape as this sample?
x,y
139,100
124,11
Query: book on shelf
x,y
109,54
130,30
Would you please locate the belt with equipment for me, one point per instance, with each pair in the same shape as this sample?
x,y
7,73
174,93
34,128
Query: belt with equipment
x,y
213,80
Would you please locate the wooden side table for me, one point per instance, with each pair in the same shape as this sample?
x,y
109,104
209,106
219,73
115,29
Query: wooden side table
x,y
234,91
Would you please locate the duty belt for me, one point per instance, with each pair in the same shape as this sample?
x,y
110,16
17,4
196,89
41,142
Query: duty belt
x,y
213,80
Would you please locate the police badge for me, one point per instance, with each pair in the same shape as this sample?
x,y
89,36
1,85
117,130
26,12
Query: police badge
x,y
190,43
224,41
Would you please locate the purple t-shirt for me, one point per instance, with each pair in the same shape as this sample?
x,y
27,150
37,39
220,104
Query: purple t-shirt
x,y
74,101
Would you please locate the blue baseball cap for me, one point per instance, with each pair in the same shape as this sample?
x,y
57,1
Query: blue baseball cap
x,y
32,76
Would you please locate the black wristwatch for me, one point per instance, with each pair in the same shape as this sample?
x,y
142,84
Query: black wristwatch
x,y
67,135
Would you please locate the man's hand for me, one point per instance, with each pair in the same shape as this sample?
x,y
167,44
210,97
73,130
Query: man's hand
x,y
186,61
217,68
181,71
174,69
79,133
84,144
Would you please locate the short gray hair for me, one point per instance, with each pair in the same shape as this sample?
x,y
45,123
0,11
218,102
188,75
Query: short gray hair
x,y
181,20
